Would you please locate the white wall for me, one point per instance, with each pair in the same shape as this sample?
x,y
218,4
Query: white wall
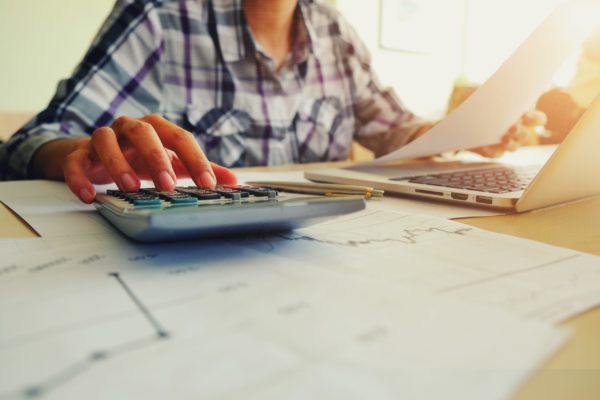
x,y
422,81
492,30
41,41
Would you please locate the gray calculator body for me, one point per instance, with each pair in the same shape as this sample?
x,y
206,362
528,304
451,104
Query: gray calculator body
x,y
281,213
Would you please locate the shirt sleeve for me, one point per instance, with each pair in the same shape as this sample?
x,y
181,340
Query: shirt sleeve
x,y
383,123
119,75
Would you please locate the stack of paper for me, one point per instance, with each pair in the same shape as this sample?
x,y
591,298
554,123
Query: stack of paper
x,y
222,320
376,304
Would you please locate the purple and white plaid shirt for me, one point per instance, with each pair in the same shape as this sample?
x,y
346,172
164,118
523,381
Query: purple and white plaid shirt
x,y
196,63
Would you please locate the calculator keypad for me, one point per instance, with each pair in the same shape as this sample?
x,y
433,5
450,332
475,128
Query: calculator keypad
x,y
186,197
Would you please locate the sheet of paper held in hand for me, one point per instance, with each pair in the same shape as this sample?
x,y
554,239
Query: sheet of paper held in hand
x,y
499,103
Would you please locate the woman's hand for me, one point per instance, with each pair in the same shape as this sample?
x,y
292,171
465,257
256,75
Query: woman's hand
x,y
127,152
526,132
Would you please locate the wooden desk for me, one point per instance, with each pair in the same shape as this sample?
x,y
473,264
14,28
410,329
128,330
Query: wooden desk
x,y
11,122
574,372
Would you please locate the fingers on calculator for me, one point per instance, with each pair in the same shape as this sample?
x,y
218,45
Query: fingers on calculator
x,y
147,148
149,137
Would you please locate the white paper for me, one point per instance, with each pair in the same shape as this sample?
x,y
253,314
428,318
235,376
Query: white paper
x,y
527,278
499,103
51,209
221,320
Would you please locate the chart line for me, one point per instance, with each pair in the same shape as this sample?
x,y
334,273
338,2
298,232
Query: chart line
x,y
408,236
160,331
79,367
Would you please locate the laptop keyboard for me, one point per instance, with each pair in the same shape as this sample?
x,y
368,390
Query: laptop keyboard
x,y
490,180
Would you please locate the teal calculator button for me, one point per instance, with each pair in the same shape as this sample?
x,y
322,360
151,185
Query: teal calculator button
x,y
147,203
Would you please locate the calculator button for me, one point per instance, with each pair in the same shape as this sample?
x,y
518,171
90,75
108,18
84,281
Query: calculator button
x,y
139,199
147,202
175,198
255,191
184,201
116,193
234,195
200,194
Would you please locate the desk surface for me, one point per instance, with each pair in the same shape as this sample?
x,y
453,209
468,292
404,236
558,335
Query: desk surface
x,y
572,373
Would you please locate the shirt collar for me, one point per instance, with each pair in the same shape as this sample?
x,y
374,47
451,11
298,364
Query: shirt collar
x,y
306,40
309,29
235,37
234,34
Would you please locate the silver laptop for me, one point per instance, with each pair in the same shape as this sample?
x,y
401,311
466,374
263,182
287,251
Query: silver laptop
x,y
571,173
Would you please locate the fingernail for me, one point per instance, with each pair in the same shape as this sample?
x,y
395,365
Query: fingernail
x,y
165,181
207,180
128,182
86,195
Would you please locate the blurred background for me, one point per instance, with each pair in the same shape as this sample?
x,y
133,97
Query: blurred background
x,y
421,48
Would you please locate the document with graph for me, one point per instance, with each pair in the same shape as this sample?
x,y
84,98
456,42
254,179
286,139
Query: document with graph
x,y
241,319
360,299
446,258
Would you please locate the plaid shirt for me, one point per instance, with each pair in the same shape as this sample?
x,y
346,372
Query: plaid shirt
x,y
196,63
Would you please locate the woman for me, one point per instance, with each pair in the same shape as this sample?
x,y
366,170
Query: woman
x,y
170,84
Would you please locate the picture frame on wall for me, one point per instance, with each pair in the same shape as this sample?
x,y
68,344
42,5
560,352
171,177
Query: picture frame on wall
x,y
421,26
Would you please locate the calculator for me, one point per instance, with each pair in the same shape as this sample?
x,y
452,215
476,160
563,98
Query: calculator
x,y
150,215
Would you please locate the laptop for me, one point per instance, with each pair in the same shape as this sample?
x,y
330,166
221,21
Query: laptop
x,y
570,174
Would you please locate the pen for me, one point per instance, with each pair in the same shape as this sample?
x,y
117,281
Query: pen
x,y
323,189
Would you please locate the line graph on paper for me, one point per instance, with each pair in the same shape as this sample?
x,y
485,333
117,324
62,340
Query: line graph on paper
x,y
102,353
443,257
405,236
374,228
